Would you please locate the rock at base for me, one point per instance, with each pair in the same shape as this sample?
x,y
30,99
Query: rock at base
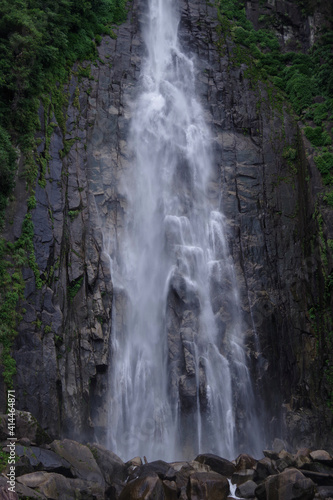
x,y
217,464
289,485
207,486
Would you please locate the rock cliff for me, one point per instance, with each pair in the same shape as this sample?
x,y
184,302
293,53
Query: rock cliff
x,y
277,231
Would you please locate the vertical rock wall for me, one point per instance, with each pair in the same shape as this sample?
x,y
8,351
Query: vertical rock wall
x,y
63,346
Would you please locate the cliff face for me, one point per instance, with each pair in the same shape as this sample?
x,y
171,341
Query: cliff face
x,y
269,188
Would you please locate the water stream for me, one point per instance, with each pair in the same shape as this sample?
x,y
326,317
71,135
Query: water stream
x,y
179,380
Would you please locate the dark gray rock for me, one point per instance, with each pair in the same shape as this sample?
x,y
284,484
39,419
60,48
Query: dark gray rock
x,y
82,462
144,488
56,487
41,459
289,485
217,464
243,476
207,486
247,489
264,468
244,462
112,467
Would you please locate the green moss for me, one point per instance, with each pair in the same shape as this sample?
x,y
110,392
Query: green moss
x,y
74,287
67,147
317,136
4,456
324,163
73,213
328,198
39,42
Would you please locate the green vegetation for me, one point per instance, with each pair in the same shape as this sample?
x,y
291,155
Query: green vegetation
x,y
303,79
39,42
302,76
317,136
74,287
4,456
324,163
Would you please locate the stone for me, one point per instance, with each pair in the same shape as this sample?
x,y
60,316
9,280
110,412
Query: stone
x,y
47,460
112,467
136,462
320,478
56,487
325,492
5,493
272,455
159,467
207,486
240,477
284,461
217,464
289,485
26,427
321,456
245,461
278,445
144,488
247,489
170,490
264,468
82,462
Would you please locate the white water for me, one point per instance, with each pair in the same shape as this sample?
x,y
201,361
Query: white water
x,y
173,239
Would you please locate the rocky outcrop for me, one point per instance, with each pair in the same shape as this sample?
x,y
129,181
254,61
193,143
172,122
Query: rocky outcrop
x,y
69,470
63,346
297,24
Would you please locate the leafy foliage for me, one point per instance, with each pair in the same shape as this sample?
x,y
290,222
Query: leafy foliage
x,y
39,41
324,163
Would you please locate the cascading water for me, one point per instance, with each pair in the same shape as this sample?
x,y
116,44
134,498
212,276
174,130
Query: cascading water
x,y
179,383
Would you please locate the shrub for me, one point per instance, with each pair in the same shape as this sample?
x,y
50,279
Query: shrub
x,y
317,136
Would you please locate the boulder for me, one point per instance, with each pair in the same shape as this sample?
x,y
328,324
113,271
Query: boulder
x,y
301,460
112,467
284,461
57,487
207,486
5,494
82,462
245,461
242,476
159,467
325,492
289,485
184,471
26,427
271,454
247,489
217,464
320,478
321,456
264,468
135,462
47,460
144,488
170,490
278,445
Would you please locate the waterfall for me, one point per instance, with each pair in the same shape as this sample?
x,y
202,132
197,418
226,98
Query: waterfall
x,y
179,378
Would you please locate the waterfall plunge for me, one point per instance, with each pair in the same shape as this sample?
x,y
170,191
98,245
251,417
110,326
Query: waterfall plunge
x,y
176,380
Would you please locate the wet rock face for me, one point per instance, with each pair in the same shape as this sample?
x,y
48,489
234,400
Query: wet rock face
x,y
62,350
269,206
